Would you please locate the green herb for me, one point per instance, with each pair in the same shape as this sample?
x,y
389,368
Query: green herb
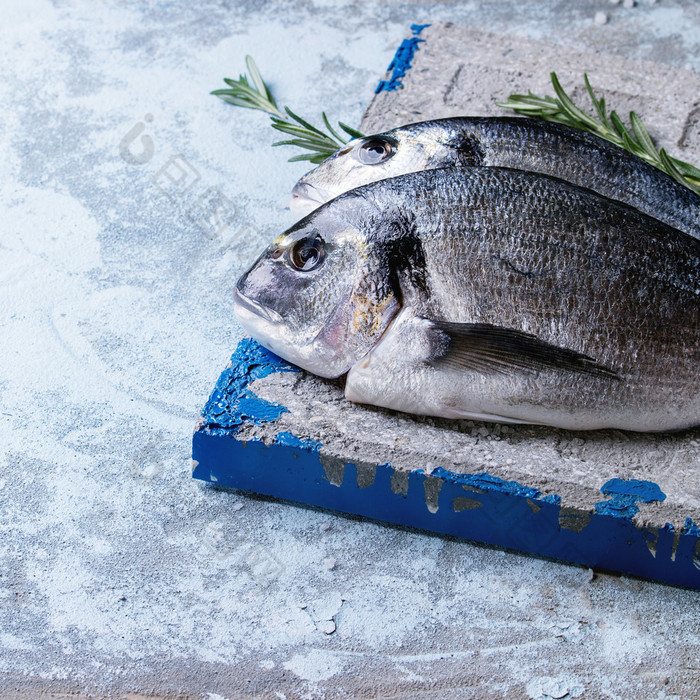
x,y
255,94
608,126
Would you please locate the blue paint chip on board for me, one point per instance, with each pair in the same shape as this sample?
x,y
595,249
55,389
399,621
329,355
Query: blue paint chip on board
x,y
290,440
486,482
552,498
403,58
232,403
625,494
690,528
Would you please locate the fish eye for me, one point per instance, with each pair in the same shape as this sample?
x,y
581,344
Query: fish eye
x,y
307,254
375,151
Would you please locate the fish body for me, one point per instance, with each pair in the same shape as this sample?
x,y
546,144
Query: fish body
x,y
488,293
511,142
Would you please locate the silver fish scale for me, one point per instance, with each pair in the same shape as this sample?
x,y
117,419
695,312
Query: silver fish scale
x,y
512,142
578,271
580,158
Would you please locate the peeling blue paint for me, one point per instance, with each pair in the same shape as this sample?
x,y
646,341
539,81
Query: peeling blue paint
x,y
690,528
625,496
401,63
232,402
552,498
486,482
416,29
291,440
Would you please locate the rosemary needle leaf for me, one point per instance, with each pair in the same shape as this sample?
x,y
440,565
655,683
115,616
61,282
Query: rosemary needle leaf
x,y
307,144
300,157
316,159
599,104
641,133
330,129
352,133
617,124
687,169
238,102
609,126
669,167
257,79
255,94
303,122
289,128
568,105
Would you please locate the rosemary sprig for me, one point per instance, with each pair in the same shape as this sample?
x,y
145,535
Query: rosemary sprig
x,y
257,95
562,109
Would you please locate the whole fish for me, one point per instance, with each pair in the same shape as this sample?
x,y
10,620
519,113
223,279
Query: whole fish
x,y
512,142
491,294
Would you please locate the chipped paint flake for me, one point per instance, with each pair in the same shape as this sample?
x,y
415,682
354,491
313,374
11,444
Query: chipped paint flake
x,y
625,494
401,63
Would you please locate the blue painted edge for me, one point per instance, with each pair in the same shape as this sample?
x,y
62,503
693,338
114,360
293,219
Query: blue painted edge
x,y
478,507
403,58
231,403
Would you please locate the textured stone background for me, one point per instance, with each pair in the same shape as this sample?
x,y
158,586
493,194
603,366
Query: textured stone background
x,y
119,575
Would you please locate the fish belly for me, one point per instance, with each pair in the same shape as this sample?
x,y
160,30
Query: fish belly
x,y
399,374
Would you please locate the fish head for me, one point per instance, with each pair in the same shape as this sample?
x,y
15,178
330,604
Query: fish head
x,y
314,298
407,149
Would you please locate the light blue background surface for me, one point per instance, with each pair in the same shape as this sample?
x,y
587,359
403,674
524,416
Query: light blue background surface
x,y
119,573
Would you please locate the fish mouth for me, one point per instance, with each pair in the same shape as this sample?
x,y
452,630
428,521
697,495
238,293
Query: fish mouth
x,y
247,309
267,327
306,195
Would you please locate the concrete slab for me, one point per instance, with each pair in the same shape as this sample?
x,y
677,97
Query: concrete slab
x,y
458,71
592,498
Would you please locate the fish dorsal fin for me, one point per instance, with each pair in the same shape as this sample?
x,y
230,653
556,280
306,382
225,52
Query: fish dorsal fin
x,y
482,347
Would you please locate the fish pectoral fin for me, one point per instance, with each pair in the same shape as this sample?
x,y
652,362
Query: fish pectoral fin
x,y
482,347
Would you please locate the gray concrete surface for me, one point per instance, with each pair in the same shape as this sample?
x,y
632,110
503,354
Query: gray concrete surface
x,y
119,575
461,70
571,465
